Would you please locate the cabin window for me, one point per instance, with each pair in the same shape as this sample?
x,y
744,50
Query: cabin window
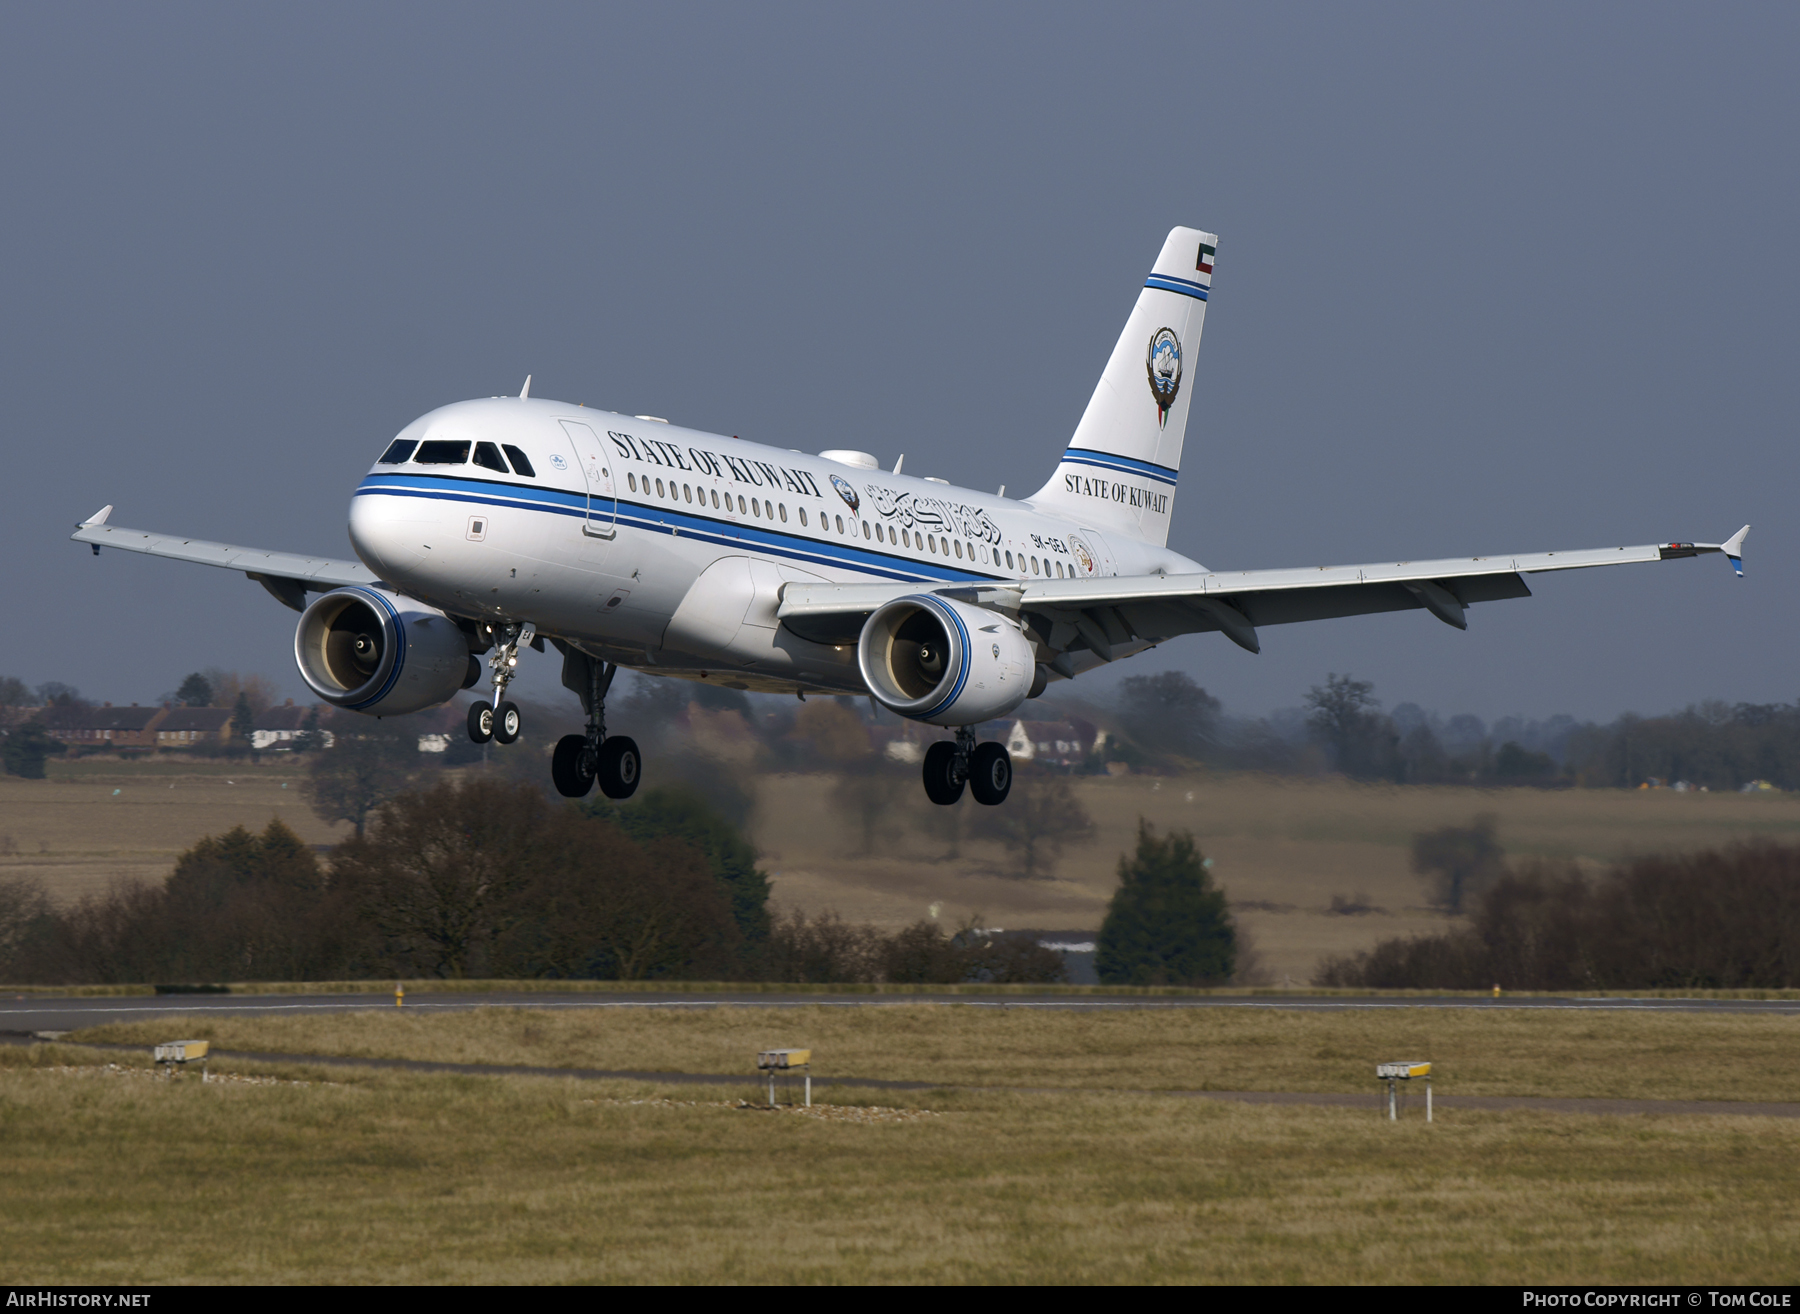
x,y
930,543
840,523
687,493
659,488
1009,564
520,462
802,517
741,507
959,551
442,452
487,455
905,539
865,530
715,498
756,507
397,452
1034,569
783,509
892,536
631,479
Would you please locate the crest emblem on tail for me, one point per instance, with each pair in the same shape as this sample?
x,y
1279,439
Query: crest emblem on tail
x,y
1163,364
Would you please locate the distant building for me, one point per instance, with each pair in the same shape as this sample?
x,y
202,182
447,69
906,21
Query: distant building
x,y
1053,743
186,727
103,727
276,727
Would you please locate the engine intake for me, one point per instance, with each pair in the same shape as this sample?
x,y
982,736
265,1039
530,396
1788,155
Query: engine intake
x,y
373,651
944,662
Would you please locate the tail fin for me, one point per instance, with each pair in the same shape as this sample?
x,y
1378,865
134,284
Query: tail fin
x,y
1119,471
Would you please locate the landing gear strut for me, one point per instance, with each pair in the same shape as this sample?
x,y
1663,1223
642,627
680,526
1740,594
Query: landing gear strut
x,y
582,759
986,770
498,719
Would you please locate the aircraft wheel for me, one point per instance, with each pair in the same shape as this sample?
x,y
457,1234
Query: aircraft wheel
x,y
481,722
506,723
572,766
990,773
942,783
619,767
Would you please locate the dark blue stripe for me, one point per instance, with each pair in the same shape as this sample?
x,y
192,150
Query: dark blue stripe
x,y
1124,464
968,654
399,632
668,520
1166,283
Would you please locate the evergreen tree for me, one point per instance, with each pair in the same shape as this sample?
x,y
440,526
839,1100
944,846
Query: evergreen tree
x,y
24,751
1168,924
243,720
195,691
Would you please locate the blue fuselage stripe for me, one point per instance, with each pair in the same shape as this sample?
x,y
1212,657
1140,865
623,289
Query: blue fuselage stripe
x,y
659,519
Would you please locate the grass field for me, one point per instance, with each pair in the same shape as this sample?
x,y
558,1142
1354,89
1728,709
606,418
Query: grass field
x,y
1477,1051
114,1176
1281,848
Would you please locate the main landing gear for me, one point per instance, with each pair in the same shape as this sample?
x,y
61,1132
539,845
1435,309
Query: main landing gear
x,y
985,768
581,760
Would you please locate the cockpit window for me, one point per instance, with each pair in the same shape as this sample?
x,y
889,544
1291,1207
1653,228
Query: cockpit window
x,y
520,463
442,452
486,454
397,452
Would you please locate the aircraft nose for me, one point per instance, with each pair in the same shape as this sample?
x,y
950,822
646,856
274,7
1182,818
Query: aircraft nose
x,y
389,533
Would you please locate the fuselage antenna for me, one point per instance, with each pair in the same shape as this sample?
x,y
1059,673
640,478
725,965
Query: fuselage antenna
x,y
526,390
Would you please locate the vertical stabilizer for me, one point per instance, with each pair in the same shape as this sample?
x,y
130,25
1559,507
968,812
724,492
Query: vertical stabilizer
x,y
1119,471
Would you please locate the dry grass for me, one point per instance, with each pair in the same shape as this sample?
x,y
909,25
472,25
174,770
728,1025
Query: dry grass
x,y
73,833
392,1178
1477,1052
1287,843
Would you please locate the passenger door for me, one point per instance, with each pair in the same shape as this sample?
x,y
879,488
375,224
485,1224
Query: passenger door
x,y
596,468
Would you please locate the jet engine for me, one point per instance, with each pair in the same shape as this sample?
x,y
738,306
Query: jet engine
x,y
373,651
944,662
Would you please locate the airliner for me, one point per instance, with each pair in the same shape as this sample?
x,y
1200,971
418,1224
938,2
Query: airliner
x,y
491,526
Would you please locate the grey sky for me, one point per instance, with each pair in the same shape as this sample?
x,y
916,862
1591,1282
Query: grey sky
x,y
1501,278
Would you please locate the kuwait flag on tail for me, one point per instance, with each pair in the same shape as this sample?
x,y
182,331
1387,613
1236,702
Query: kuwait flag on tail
x,y
1205,261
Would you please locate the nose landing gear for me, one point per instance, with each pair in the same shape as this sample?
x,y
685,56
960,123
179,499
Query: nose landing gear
x,y
985,769
581,760
499,719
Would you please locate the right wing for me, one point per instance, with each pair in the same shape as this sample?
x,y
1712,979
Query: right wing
x,y
1118,611
286,575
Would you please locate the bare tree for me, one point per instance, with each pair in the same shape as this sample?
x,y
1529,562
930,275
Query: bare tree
x,y
438,874
1040,818
365,767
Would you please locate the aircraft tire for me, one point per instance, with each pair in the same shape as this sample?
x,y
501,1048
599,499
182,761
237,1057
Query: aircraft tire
x,y
507,723
572,767
990,773
619,767
941,784
481,722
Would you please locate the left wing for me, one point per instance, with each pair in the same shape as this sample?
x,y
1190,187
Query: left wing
x,y
285,574
1103,614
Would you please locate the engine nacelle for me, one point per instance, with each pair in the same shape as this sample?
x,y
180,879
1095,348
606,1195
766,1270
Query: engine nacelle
x,y
373,651
944,662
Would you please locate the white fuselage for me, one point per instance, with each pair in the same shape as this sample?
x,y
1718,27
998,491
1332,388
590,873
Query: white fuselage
x,y
665,548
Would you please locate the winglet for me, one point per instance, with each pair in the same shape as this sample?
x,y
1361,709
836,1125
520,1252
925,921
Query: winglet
x,y
1734,550
99,517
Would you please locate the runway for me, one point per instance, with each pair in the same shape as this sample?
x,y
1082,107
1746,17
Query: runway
x,y
35,1014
